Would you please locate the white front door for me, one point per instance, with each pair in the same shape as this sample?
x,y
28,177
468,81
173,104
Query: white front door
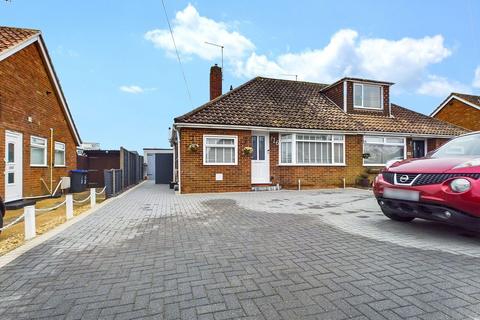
x,y
151,166
13,166
260,158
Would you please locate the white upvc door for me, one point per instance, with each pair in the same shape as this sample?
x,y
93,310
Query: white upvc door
x,y
13,166
151,166
260,157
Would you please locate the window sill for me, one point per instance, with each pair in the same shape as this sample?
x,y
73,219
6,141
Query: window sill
x,y
374,165
38,166
367,108
60,166
219,164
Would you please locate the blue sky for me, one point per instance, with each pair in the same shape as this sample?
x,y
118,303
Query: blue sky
x,y
118,70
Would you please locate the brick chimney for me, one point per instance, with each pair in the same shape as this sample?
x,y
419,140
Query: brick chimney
x,y
215,82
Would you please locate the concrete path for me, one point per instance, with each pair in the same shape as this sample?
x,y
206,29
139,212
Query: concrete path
x,y
152,254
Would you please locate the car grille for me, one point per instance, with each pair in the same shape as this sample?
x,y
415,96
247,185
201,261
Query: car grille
x,y
389,177
436,178
426,178
405,178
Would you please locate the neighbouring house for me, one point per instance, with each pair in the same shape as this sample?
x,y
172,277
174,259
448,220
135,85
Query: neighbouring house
x,y
270,132
460,109
37,133
159,164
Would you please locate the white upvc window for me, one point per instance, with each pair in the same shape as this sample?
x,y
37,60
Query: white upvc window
x,y
312,149
59,154
367,96
379,150
38,152
220,150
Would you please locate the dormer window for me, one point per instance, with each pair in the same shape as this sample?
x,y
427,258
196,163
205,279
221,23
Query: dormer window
x,y
367,96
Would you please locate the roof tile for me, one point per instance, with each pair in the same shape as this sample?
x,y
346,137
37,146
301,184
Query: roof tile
x,y
10,37
469,97
275,103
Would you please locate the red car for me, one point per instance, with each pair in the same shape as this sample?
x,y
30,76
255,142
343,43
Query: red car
x,y
443,186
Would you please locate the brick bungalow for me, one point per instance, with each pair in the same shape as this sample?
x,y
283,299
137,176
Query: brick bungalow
x,y
38,138
302,133
460,109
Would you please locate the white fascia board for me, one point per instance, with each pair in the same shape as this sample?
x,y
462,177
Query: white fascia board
x,y
59,90
18,47
270,129
37,38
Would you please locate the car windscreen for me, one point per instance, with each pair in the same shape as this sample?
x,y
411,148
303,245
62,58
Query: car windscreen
x,y
459,147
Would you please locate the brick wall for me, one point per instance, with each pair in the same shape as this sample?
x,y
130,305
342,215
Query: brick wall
x,y
460,114
24,83
335,93
386,102
196,177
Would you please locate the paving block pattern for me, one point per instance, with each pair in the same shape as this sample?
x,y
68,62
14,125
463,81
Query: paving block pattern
x,y
154,255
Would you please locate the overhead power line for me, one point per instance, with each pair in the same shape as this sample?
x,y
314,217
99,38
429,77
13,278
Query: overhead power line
x,y
178,55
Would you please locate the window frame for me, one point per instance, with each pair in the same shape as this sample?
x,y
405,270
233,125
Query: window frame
x,y
293,141
235,149
64,154
363,96
45,147
404,144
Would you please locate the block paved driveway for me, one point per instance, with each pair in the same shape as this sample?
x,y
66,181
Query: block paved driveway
x,y
266,255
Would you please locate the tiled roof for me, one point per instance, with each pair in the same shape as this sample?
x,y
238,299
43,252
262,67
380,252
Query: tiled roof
x,y
266,102
274,103
406,121
11,37
470,98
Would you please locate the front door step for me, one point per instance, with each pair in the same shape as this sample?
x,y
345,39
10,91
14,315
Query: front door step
x,y
266,187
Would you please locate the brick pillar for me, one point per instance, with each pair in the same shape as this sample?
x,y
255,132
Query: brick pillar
x,y
215,82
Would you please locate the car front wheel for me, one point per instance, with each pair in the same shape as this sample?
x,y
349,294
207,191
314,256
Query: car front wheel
x,y
396,217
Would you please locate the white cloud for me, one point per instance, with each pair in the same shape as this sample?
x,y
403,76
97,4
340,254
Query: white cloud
x,y
257,65
135,89
404,61
441,87
192,30
476,79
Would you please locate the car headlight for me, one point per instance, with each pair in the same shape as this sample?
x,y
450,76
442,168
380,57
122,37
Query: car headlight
x,y
470,163
460,185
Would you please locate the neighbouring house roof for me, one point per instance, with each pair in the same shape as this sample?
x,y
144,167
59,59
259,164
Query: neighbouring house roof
x,y
13,37
468,99
275,103
13,40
